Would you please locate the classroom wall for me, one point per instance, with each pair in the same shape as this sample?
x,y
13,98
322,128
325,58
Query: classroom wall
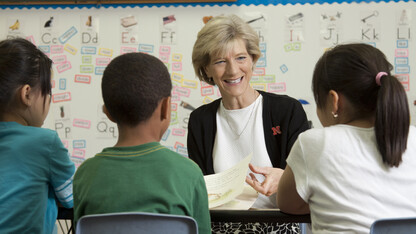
x,y
82,41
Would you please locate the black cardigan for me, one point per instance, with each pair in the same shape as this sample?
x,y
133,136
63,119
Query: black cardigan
x,y
281,112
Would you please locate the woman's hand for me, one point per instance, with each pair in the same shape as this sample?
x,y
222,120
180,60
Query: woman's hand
x,y
271,181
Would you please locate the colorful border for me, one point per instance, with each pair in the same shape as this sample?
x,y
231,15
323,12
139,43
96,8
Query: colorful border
x,y
237,3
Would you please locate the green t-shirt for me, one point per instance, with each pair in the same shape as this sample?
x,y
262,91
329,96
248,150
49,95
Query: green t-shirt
x,y
143,178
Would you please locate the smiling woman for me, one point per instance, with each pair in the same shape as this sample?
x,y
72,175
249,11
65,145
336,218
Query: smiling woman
x,y
232,72
222,133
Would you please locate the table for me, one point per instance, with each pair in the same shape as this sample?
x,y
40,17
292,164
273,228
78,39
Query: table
x,y
243,216
237,216
253,216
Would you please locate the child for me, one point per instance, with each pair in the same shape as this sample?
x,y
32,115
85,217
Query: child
x,y
139,174
34,165
360,167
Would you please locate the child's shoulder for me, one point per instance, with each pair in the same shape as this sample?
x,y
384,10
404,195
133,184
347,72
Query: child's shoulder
x,y
412,133
43,134
180,161
44,131
412,129
36,133
173,155
85,164
313,135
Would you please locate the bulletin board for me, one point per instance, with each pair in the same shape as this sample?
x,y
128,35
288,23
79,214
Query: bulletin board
x,y
82,40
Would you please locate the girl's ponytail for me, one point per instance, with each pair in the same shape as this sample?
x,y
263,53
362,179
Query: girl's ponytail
x,y
392,119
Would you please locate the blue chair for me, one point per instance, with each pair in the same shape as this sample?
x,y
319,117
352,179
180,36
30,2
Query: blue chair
x,y
394,226
136,222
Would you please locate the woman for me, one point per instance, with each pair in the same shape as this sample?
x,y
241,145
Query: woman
x,y
360,167
244,120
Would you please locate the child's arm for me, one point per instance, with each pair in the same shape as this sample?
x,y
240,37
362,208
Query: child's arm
x,y
62,170
288,199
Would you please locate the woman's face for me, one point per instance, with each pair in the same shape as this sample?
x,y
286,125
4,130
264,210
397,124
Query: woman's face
x,y
232,72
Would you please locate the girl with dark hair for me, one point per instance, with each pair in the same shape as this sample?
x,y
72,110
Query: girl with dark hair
x,y
360,166
35,169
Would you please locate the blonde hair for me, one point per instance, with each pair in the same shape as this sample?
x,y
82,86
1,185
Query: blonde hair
x,y
214,39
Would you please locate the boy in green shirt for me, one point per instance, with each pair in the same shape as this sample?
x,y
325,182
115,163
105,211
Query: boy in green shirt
x,y
138,174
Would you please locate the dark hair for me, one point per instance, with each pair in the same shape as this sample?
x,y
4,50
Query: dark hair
x,y
132,86
22,63
350,70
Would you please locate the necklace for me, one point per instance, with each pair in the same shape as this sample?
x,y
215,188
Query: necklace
x,y
248,121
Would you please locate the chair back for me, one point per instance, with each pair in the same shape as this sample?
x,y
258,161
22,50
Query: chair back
x,y
394,226
136,222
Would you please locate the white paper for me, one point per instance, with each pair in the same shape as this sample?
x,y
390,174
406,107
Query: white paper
x,y
227,185
244,201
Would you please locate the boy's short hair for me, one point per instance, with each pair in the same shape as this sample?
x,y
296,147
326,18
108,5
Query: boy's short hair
x,y
132,86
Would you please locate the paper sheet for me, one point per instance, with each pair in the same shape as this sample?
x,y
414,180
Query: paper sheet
x,y
227,185
244,201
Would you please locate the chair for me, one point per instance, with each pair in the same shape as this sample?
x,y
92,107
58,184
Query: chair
x,y
136,222
394,226
64,221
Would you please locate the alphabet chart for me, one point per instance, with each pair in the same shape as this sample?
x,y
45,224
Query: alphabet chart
x,y
82,41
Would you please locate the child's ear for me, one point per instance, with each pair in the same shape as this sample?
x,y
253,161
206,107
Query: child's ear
x,y
108,114
25,95
165,109
334,101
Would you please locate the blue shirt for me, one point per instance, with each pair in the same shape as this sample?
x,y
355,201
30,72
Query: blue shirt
x,y
35,169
